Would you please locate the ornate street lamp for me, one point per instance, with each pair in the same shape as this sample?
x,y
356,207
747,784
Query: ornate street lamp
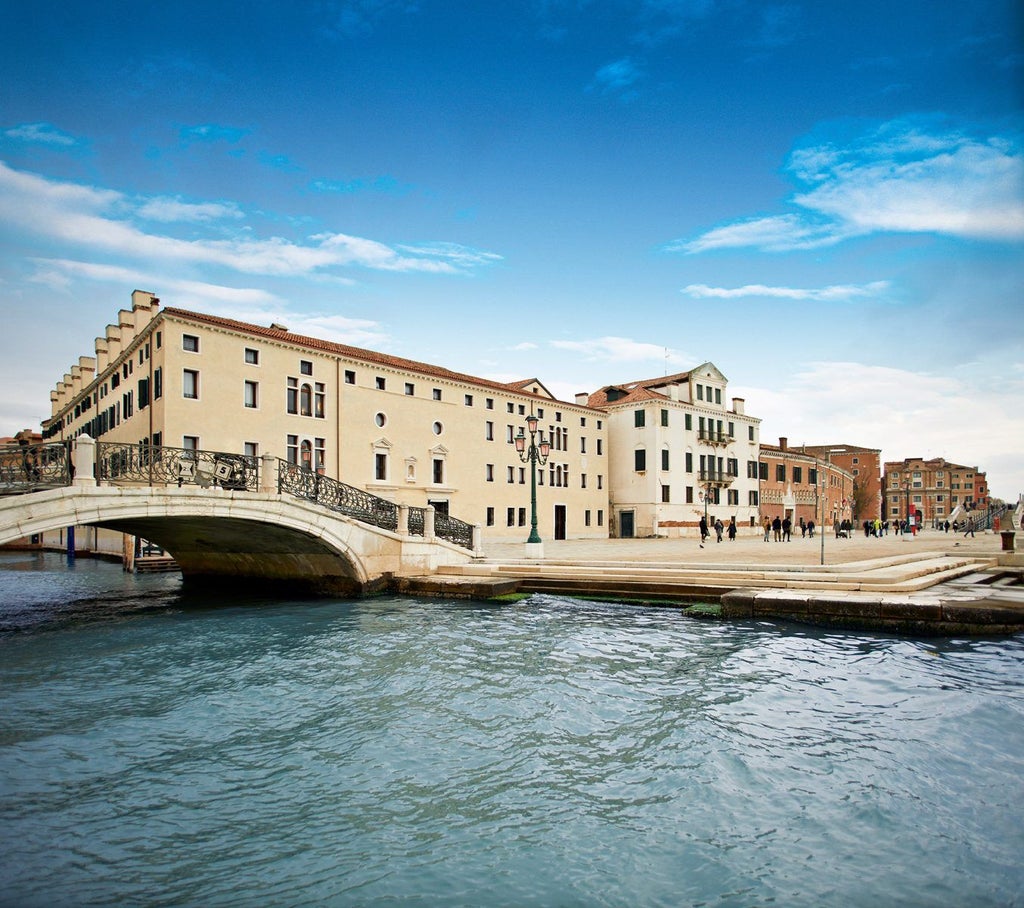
x,y
535,453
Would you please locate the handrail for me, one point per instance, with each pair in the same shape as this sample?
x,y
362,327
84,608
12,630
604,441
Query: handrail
x,y
309,485
120,463
34,467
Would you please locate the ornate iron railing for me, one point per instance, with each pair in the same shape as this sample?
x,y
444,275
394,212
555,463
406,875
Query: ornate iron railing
x,y
146,464
336,496
32,468
454,530
417,521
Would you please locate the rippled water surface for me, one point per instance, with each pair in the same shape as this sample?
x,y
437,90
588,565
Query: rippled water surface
x,y
162,751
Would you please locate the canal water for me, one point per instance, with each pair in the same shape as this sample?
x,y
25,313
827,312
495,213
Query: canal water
x,y
158,750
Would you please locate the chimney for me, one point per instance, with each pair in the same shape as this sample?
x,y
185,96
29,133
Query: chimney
x,y
582,398
738,406
784,444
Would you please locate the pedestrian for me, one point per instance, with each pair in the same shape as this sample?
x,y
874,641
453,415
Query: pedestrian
x,y
703,531
777,529
787,527
968,528
803,528
945,526
767,528
719,527
810,528
732,529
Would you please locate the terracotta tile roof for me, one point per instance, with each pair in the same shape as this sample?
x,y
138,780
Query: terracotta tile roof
x,y
358,353
632,394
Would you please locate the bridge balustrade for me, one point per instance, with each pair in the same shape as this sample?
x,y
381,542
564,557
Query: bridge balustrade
x,y
34,467
120,464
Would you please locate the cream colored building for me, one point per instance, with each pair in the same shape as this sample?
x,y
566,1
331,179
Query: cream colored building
x,y
677,451
410,432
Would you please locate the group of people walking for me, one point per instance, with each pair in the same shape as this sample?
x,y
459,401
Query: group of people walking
x,y
719,528
781,529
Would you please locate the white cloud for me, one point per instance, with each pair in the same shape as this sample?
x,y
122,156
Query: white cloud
x,y
905,177
904,413
41,133
171,210
99,220
834,293
621,349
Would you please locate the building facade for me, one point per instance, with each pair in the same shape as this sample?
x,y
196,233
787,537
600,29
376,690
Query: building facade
x,y
407,431
678,452
932,490
865,466
801,486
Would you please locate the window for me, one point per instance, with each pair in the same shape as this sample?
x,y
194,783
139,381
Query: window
x,y
600,447
292,449
511,475
143,392
438,428
639,417
780,472
489,431
158,383
438,468
752,498
522,517
586,517
306,400
734,496
689,461
718,395
410,389
380,420
600,518
510,517
437,394
583,445
798,474
812,476
600,481
640,460
305,367
689,494
252,357
700,392
251,449
469,400
190,442
381,383
190,343
665,494
319,394
489,403
489,472
251,396
664,460
732,429
688,421
190,384
583,480
380,466
292,404
350,377
750,433
664,417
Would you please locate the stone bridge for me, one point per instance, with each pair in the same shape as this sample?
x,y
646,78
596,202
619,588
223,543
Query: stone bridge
x,y
303,532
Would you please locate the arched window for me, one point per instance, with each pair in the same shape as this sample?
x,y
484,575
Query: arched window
x,y
306,452
306,400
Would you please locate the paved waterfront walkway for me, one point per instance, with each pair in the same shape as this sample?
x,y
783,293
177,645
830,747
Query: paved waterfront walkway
x,y
753,550
933,582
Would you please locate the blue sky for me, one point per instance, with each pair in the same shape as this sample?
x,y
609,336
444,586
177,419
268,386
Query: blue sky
x,y
825,199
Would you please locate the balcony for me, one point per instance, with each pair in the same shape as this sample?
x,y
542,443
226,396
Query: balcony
x,y
716,478
714,437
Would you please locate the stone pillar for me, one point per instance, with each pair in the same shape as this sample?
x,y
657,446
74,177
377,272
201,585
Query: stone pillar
x,y
268,474
403,520
84,459
428,523
478,540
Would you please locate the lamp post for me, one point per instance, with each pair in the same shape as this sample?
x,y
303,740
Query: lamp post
x,y
906,491
536,452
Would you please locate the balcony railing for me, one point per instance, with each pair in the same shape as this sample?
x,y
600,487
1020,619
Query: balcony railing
x,y
716,477
714,437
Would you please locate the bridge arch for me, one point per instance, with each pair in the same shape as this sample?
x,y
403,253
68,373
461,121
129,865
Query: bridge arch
x,y
224,538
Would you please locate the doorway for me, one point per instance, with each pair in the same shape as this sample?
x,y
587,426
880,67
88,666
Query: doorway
x,y
559,521
626,524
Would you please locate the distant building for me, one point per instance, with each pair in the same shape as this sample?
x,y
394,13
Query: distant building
x,y
677,451
865,466
802,486
932,489
407,431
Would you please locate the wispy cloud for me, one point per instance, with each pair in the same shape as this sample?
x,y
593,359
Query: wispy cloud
x,y
618,77
172,210
621,349
383,184
835,293
212,132
904,177
104,220
41,134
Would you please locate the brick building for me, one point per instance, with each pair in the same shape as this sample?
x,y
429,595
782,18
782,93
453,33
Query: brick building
x,y
933,489
865,466
796,484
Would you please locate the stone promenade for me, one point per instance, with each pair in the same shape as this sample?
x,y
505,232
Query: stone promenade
x,y
931,583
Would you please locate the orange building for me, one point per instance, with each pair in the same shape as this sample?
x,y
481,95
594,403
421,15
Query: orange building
x,y
865,466
932,489
796,484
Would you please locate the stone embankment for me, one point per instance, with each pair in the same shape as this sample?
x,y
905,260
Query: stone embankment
x,y
933,584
